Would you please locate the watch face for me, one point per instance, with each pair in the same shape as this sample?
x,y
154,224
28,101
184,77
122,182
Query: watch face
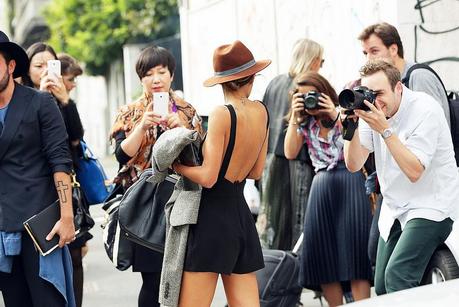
x,y
387,133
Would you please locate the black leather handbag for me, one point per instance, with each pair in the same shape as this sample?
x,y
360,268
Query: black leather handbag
x,y
119,250
141,211
81,216
190,155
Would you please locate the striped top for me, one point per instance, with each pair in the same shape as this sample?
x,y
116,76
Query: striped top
x,y
325,153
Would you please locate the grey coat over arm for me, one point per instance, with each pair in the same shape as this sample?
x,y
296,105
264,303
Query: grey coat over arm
x,y
181,210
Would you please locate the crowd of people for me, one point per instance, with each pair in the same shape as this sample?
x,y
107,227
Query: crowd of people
x,y
313,182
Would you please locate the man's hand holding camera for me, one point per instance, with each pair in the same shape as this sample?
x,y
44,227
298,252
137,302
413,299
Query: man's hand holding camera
x,y
375,118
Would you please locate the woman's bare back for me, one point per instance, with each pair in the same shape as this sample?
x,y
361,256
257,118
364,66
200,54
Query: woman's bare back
x,y
251,132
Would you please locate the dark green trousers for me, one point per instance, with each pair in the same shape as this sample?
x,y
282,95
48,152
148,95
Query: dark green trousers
x,y
402,260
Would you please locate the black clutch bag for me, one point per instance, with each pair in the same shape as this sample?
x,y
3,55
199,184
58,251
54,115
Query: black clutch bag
x,y
40,225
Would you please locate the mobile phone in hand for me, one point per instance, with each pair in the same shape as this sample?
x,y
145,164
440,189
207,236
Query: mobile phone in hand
x,y
161,103
54,68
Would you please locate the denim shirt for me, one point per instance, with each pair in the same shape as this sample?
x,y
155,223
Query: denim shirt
x,y
55,268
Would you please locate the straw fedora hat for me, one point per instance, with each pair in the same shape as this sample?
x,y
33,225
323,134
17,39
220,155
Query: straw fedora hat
x,y
232,62
17,53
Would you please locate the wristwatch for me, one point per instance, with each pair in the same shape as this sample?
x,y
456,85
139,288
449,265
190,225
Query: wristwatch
x,y
387,133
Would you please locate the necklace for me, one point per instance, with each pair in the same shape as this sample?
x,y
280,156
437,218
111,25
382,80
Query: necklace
x,y
244,100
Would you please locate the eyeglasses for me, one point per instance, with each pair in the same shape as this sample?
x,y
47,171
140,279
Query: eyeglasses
x,y
322,62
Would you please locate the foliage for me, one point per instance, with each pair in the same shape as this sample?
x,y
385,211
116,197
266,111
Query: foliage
x,y
94,31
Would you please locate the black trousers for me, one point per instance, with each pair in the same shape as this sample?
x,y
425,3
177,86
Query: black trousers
x,y
77,263
23,287
149,293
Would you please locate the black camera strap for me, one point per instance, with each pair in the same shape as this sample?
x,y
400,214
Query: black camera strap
x,y
349,127
328,123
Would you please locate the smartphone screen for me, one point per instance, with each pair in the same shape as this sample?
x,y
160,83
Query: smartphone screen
x,y
161,103
54,68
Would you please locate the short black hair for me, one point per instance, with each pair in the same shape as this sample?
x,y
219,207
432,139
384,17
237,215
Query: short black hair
x,y
153,56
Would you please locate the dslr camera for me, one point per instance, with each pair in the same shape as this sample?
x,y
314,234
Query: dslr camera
x,y
311,100
353,99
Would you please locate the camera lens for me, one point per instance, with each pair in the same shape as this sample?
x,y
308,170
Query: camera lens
x,y
311,100
346,99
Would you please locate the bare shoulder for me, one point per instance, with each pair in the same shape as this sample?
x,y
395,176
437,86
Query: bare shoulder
x,y
260,108
257,104
219,112
219,116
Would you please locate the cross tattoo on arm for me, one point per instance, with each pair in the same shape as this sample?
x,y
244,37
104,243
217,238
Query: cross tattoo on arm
x,y
61,189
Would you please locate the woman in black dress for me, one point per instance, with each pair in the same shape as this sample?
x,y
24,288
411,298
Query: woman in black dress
x,y
135,131
224,240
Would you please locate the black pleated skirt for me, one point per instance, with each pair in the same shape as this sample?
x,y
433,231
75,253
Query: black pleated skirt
x,y
336,229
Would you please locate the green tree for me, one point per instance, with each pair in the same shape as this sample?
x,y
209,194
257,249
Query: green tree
x,y
94,31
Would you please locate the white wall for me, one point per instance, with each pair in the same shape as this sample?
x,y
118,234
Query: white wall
x,y
91,99
440,16
3,17
270,27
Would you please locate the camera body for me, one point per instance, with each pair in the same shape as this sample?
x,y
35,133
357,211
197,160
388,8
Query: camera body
x,y
311,100
353,99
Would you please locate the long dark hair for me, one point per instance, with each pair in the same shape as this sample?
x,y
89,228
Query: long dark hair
x,y
31,52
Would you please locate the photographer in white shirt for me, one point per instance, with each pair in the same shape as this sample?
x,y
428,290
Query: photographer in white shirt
x,y
417,173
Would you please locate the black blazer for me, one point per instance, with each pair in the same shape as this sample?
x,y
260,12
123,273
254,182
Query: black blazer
x,y
33,146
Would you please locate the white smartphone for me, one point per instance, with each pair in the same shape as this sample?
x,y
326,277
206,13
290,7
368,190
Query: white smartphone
x,y
161,103
54,68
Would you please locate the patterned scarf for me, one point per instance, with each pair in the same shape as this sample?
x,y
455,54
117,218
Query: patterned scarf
x,y
130,116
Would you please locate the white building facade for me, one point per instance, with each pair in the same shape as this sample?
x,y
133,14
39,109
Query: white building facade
x,y
429,31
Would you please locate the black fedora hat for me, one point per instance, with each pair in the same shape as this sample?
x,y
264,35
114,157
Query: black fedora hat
x,y
16,53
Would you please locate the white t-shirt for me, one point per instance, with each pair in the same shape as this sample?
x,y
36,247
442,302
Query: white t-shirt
x,y
421,126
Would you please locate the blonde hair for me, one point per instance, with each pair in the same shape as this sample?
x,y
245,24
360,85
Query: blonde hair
x,y
305,52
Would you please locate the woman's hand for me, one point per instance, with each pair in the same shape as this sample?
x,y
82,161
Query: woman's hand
x,y
149,119
297,104
173,120
297,108
46,81
59,91
327,106
176,167
55,86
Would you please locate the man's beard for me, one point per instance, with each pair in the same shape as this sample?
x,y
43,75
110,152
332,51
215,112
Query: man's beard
x,y
4,82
